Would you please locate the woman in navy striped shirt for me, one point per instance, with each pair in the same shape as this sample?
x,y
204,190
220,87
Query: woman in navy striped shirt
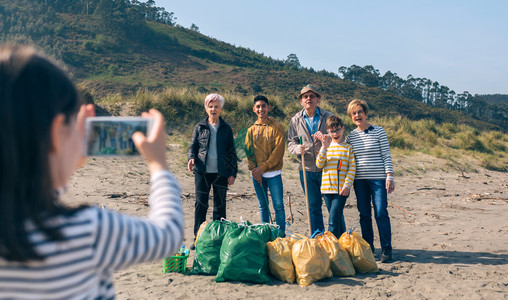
x,y
48,250
374,176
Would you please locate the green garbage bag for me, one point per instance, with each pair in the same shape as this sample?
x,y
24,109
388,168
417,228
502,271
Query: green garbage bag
x,y
208,244
268,232
243,257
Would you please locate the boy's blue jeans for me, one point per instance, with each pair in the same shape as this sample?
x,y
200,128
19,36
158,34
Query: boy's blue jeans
x,y
315,202
275,186
373,191
335,205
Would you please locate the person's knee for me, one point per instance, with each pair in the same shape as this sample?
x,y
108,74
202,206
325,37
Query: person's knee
x,y
367,218
381,212
201,208
383,217
278,204
316,212
279,210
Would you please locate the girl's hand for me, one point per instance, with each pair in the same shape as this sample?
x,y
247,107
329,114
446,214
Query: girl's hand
x,y
85,111
231,180
153,147
345,191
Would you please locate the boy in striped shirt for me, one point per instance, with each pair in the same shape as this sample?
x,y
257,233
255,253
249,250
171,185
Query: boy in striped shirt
x,y
337,160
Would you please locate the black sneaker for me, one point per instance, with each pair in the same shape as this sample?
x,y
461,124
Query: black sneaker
x,y
386,255
192,247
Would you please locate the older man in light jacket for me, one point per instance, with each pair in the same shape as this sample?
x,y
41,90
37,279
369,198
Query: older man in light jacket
x,y
305,124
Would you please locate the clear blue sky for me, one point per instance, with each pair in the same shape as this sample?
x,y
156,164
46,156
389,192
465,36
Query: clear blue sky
x,y
460,44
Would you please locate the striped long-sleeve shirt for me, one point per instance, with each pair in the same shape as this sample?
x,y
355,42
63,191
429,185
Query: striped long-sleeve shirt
x,y
372,152
97,243
337,154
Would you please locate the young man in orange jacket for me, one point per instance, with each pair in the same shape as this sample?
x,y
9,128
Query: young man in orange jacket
x,y
265,144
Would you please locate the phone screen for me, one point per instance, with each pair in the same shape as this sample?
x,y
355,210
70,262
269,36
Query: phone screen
x,y
113,135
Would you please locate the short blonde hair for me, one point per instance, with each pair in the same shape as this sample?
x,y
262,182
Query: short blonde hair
x,y
214,97
357,102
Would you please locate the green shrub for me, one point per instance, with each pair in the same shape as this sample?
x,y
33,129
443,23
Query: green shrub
x,y
400,142
112,70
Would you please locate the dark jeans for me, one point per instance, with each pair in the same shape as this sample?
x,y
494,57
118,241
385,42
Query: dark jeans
x,y
203,183
335,205
315,202
373,191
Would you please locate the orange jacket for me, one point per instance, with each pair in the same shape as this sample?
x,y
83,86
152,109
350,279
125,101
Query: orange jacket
x,y
267,141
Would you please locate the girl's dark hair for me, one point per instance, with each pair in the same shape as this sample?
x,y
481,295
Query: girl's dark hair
x,y
33,90
333,122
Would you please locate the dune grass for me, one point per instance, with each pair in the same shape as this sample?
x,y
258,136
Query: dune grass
x,y
459,144
462,146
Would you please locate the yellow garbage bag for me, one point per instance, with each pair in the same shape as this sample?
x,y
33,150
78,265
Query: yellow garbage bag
x,y
311,261
359,251
340,262
280,259
200,230
297,237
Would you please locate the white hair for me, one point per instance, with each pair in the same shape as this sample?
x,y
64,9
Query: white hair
x,y
214,97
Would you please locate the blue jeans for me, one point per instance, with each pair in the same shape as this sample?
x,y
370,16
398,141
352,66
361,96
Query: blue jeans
x,y
315,202
335,205
275,186
373,190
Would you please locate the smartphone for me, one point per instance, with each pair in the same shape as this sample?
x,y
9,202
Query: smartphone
x,y
111,136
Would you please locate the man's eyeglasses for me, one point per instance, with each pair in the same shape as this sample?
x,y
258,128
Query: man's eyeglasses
x,y
310,96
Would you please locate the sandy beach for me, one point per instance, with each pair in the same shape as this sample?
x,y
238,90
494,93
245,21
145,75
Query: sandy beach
x,y
449,231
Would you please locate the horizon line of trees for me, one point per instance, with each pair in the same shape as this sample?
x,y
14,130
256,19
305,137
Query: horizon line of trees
x,y
429,92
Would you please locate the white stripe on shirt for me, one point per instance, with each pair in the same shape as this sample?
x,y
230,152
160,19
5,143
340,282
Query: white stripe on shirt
x,y
332,179
372,153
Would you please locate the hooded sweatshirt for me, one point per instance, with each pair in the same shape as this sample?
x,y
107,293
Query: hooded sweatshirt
x,y
266,141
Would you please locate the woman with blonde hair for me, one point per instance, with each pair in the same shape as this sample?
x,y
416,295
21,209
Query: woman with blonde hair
x,y
374,176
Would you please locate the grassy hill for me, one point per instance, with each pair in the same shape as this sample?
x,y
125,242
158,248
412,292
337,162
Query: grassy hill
x,y
121,53
122,60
